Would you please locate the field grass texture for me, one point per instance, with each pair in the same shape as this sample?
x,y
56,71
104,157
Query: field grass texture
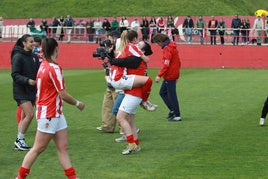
x,y
218,137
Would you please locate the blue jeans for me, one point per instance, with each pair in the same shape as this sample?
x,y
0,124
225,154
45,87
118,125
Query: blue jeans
x,y
236,37
169,96
200,33
188,33
117,103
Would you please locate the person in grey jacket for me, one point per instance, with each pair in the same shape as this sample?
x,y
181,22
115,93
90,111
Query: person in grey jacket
x,y
25,65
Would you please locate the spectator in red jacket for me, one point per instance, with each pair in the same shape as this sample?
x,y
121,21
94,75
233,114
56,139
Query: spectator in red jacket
x,y
170,71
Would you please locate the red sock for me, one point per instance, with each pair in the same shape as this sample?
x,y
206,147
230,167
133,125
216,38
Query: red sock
x,y
23,172
70,173
146,89
18,114
137,142
130,138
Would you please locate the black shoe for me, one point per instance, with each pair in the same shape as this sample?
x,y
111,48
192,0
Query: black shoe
x,y
170,116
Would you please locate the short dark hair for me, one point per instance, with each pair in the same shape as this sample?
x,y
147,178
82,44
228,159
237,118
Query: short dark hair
x,y
37,39
114,33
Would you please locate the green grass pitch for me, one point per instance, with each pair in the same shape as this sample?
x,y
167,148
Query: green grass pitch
x,y
219,136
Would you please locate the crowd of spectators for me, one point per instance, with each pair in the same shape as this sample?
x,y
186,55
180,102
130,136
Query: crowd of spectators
x,y
96,29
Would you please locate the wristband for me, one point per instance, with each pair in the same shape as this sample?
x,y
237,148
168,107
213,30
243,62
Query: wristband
x,y
77,103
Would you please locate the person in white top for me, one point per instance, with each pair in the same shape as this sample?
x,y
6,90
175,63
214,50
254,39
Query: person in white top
x,y
51,123
98,30
258,27
135,25
123,24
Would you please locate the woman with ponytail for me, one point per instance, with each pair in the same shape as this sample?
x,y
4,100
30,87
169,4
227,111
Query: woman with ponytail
x,y
25,65
51,123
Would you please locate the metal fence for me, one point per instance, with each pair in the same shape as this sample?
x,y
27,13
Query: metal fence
x,y
79,34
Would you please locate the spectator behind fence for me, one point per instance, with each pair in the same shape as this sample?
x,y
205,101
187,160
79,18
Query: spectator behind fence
x,y
172,31
145,29
44,26
90,29
106,26
160,25
79,28
115,24
188,25
69,23
266,29
55,24
135,25
236,23
153,26
244,27
212,25
221,27
1,26
258,27
98,30
123,24
248,30
201,25
60,30
30,23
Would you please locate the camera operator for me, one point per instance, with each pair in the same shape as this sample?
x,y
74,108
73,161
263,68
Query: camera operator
x,y
108,118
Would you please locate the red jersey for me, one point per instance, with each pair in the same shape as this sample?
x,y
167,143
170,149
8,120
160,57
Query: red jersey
x,y
132,50
49,82
171,63
117,72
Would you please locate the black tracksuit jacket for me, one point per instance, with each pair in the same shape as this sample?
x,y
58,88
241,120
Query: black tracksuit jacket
x,y
25,65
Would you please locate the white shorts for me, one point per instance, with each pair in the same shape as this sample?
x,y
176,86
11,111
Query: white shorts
x,y
51,125
125,83
130,104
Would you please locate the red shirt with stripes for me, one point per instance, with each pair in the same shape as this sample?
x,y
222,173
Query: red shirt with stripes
x,y
49,82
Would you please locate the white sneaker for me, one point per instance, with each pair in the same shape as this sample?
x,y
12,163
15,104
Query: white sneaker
x,y
121,139
99,128
177,118
262,121
20,144
155,105
147,105
131,148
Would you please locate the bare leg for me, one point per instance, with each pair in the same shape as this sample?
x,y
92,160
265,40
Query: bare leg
x,y
28,111
139,81
122,120
40,144
132,125
61,141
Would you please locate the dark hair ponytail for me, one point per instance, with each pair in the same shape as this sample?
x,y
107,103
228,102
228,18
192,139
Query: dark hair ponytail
x,y
48,46
19,43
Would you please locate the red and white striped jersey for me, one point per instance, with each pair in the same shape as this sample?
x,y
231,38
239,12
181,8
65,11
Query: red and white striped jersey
x,y
49,82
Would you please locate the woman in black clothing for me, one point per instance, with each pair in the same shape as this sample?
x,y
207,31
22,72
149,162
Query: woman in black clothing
x,y
25,65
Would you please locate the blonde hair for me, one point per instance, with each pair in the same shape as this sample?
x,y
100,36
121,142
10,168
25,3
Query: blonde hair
x,y
123,42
